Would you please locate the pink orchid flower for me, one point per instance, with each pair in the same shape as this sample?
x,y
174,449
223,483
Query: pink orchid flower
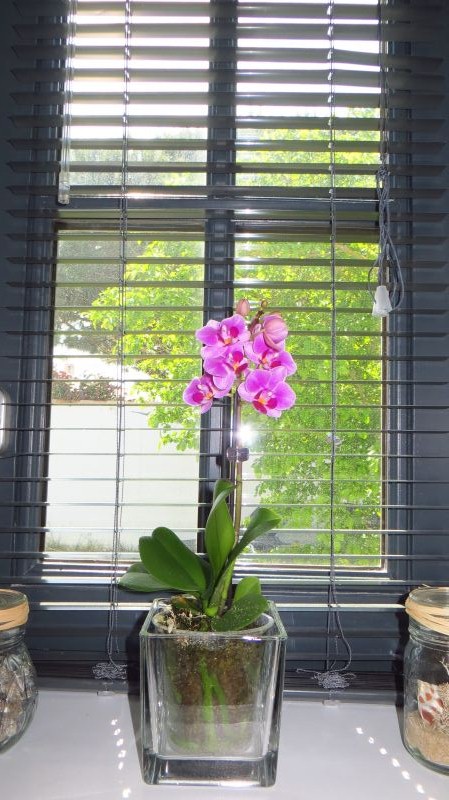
x,y
201,392
229,347
217,336
243,307
267,358
267,391
226,366
275,331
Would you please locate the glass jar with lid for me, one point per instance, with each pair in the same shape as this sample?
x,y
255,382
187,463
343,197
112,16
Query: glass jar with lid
x,y
18,692
426,674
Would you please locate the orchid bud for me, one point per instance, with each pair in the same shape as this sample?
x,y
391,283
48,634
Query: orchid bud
x,y
274,331
243,307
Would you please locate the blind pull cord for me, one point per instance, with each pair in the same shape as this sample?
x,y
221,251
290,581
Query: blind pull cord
x,y
389,292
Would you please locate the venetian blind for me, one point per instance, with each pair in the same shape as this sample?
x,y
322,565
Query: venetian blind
x,y
211,151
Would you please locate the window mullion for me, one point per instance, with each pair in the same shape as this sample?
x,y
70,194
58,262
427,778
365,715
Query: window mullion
x,y
219,230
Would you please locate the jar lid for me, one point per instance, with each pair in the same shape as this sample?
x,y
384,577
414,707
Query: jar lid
x,y
430,607
14,609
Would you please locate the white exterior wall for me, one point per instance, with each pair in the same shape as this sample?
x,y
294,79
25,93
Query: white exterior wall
x,y
160,485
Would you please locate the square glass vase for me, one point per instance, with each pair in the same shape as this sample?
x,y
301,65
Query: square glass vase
x,y
211,703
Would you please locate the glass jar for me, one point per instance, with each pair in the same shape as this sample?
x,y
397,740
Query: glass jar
x,y
426,673
18,692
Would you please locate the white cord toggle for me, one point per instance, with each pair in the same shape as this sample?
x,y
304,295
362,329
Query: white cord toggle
x,y
382,303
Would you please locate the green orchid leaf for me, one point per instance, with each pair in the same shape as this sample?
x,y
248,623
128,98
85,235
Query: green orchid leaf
x,y
248,585
219,531
220,592
137,566
207,569
222,487
241,614
138,579
167,558
261,521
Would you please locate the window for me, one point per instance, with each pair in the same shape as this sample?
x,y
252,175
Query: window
x,y
181,115
219,150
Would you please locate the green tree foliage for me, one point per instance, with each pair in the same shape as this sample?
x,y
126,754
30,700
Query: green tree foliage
x,y
163,309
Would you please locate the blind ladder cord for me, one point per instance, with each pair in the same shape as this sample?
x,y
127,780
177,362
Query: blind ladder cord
x,y
110,670
333,677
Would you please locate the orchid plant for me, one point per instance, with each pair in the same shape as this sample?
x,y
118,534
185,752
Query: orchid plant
x,y
248,361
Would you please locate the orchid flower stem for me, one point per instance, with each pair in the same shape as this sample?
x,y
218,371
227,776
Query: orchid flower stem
x,y
238,499
238,466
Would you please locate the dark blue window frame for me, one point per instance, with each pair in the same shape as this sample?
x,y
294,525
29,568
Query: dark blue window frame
x,y
69,642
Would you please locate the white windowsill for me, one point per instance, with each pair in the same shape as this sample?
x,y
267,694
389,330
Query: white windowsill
x,y
82,746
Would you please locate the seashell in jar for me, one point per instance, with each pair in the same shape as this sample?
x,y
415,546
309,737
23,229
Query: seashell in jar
x,y
430,704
